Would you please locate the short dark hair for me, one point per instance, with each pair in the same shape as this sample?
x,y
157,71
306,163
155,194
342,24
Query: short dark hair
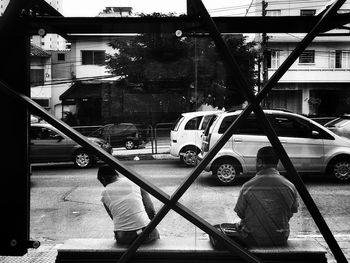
x,y
267,155
106,172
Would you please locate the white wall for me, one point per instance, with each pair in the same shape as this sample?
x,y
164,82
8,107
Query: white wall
x,y
93,43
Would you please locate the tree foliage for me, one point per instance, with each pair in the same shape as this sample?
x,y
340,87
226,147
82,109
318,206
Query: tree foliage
x,y
165,57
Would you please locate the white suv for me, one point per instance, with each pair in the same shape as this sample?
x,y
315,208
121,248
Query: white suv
x,y
310,146
185,136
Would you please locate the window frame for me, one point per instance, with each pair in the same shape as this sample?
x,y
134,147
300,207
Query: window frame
x,y
304,57
92,60
304,12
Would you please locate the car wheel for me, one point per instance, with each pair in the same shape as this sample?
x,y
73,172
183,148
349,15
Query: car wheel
x,y
341,169
82,159
189,157
129,144
226,172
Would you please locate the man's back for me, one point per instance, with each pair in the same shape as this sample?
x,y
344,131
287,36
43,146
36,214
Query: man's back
x,y
265,205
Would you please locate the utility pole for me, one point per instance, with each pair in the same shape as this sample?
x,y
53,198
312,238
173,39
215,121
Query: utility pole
x,y
264,48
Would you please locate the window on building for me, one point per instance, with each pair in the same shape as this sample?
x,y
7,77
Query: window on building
x,y
61,57
93,57
276,12
273,58
307,57
339,59
36,77
307,12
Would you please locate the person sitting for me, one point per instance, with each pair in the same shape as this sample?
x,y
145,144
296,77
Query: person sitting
x,y
265,204
129,206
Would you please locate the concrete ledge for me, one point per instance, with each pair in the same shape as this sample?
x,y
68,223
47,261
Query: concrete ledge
x,y
184,250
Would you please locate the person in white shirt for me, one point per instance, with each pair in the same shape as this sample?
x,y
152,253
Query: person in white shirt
x,y
129,206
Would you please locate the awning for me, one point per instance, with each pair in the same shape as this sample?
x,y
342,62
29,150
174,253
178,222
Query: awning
x,y
83,90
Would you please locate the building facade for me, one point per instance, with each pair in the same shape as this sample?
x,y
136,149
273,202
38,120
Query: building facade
x,y
318,83
51,41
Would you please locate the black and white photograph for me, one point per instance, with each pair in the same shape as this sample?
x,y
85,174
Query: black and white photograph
x,y
175,131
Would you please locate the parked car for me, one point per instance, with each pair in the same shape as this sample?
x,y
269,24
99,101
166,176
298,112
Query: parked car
x,y
128,135
311,147
340,125
185,135
48,144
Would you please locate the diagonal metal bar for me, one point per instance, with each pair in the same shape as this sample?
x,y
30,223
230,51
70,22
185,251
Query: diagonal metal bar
x,y
327,234
133,176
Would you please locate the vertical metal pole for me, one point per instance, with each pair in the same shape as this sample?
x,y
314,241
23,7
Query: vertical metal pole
x,y
264,51
14,196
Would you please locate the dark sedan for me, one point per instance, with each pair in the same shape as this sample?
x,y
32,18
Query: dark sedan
x,y
47,144
126,135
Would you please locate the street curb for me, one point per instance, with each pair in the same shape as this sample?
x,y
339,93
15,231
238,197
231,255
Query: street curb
x,y
138,157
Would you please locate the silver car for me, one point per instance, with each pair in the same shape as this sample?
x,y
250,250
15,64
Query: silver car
x,y
311,147
340,126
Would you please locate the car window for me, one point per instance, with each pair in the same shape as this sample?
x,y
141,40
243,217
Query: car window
x,y
249,126
226,122
177,123
43,133
193,124
210,125
339,122
122,128
286,126
206,120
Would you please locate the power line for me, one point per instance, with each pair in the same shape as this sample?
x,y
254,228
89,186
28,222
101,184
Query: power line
x,y
249,7
71,80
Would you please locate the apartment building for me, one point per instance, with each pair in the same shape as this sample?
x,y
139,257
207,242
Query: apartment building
x,y
318,83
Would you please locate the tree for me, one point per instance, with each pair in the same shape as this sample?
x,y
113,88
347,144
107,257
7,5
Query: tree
x,y
165,57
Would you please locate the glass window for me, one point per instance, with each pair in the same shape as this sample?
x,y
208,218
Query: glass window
x,y
226,122
193,124
61,56
307,57
307,12
92,57
177,123
338,59
205,122
290,127
273,59
276,12
250,126
40,133
37,76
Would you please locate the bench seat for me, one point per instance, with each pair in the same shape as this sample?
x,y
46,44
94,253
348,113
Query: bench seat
x,y
168,250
